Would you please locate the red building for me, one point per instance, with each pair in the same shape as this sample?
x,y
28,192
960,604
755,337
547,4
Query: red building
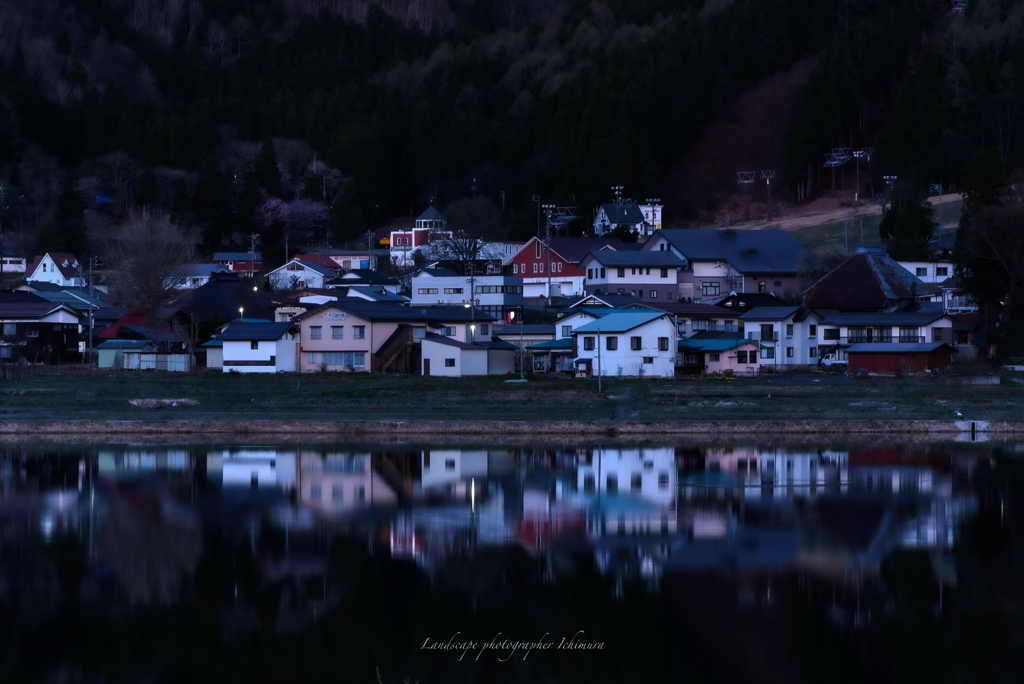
x,y
888,358
531,264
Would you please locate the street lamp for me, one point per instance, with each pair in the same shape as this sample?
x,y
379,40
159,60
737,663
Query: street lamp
x,y
240,310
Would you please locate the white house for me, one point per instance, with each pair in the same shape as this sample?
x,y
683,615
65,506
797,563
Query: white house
x,y
299,273
611,216
789,335
260,347
447,356
646,472
253,467
58,268
13,264
646,275
631,342
838,331
191,276
934,271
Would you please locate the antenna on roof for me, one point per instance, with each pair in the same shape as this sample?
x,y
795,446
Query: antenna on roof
x,y
745,178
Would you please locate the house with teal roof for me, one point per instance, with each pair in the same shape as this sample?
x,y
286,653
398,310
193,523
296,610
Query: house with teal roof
x,y
633,342
720,355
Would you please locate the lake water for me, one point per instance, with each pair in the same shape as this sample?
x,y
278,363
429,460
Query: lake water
x,y
872,561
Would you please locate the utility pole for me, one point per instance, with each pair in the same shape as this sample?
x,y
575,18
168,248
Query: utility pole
x,y
935,187
768,176
857,154
548,209
598,360
745,178
252,253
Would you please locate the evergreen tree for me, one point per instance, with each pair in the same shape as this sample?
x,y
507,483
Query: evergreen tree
x,y
65,231
181,203
268,176
209,204
347,219
248,201
149,189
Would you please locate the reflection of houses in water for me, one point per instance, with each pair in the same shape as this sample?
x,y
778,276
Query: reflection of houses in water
x,y
131,461
648,473
769,473
341,482
449,471
255,467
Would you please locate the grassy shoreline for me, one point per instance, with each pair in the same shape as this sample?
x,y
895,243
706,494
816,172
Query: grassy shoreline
x,y
339,403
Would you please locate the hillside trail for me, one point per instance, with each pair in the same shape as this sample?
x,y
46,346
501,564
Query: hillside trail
x,y
821,211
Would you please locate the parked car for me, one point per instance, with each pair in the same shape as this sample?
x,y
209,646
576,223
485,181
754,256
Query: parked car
x,y
831,361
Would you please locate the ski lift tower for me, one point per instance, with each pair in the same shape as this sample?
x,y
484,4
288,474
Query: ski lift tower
x,y
768,176
745,178
557,219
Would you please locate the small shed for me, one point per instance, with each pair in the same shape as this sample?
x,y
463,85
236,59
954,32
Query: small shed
x,y
449,357
501,356
141,355
214,353
888,358
110,353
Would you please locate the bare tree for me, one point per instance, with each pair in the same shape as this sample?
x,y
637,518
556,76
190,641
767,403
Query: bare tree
x,y
193,19
470,224
146,262
121,171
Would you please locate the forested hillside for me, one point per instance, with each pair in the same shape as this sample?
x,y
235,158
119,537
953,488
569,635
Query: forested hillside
x,y
375,108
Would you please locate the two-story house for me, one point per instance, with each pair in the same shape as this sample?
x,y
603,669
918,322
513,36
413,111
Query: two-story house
x,y
298,273
431,225
841,330
631,342
259,347
555,272
870,280
790,336
627,215
58,268
719,261
240,262
650,276
38,331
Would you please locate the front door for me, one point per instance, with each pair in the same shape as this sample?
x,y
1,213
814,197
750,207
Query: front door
x,y
426,366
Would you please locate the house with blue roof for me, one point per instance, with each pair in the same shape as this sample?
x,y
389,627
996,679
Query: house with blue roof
x,y
630,342
720,355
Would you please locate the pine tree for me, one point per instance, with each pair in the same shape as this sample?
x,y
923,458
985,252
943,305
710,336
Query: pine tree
x,y
65,231
268,176
347,220
209,203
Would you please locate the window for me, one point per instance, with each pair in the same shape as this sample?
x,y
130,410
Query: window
x,y
621,273
709,289
515,269
727,325
312,358
10,328
663,480
648,272
602,273
359,332
6,353
535,267
484,329
315,332
641,294
768,353
453,290
32,332
314,492
942,271
767,332
536,249
634,343
778,283
714,357
540,267
812,331
559,264
908,334
636,482
427,290
590,274
419,333
589,484
789,352
337,491
649,360
611,343
449,331
668,295
662,344
691,358
741,357
360,493
654,294
664,273
922,271
588,344
753,357
936,334
699,324
337,332
254,344
830,333
449,464
449,363
789,330
813,352
613,483
762,287
566,331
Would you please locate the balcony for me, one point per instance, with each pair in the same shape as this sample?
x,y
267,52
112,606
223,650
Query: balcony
x,y
872,339
756,336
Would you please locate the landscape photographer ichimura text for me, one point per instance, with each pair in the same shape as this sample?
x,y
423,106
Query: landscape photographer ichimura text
x,y
505,648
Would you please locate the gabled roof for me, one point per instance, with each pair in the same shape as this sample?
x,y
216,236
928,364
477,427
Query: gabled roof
x,y
309,266
770,313
452,342
615,301
529,329
123,344
132,319
620,321
634,259
747,251
236,256
867,280
431,214
12,296
66,263
364,275
694,310
623,213
377,294
573,249
32,310
437,273
221,297
260,331
197,270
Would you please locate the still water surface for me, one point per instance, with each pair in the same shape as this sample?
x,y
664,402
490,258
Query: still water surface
x,y
512,563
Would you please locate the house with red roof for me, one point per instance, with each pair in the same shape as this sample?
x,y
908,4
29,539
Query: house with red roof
x,y
59,268
557,267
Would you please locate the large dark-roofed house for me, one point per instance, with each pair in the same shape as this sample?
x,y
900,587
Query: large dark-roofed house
x,y
717,262
38,332
867,281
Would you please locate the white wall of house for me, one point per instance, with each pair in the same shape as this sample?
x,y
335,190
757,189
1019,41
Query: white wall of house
x,y
465,362
929,271
566,324
268,467
456,290
281,278
925,333
260,360
614,277
442,467
48,272
790,343
649,473
655,362
14,264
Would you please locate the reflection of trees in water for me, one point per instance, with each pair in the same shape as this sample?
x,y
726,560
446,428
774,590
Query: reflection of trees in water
x,y
149,548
